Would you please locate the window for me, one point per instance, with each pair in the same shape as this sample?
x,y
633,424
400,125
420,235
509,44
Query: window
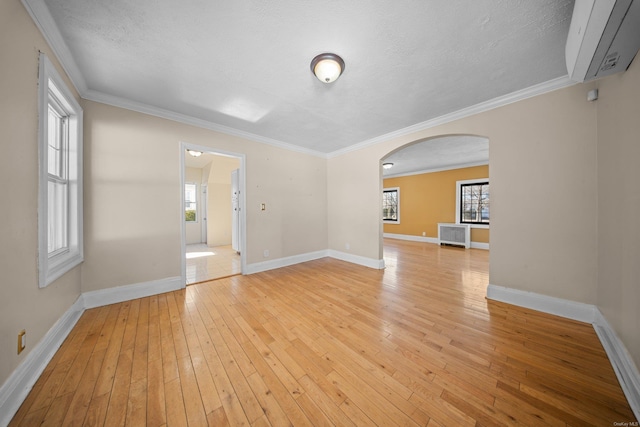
x,y
60,246
391,205
190,194
473,202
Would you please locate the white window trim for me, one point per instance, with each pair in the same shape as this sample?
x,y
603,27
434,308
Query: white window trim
x,y
388,221
197,201
459,184
53,267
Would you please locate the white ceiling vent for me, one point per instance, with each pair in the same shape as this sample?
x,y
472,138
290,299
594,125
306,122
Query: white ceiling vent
x,y
603,39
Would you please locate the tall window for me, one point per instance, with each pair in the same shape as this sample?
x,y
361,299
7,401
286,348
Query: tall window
x,y
391,205
473,204
190,195
57,177
60,177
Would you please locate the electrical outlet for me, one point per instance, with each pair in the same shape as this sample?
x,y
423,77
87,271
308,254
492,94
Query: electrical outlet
x,y
347,246
22,341
266,253
424,234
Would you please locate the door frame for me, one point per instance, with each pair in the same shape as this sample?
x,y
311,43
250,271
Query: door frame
x,y
183,147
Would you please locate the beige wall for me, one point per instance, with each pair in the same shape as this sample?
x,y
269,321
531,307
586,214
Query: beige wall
x,y
619,205
545,156
219,193
564,194
22,304
131,156
131,196
542,166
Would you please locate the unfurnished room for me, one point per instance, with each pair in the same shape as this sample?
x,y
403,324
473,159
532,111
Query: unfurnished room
x,y
347,213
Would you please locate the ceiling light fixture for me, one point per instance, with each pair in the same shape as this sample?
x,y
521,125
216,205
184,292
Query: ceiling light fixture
x,y
387,165
327,67
195,153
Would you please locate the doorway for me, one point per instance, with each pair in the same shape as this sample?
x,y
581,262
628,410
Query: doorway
x,y
212,214
434,182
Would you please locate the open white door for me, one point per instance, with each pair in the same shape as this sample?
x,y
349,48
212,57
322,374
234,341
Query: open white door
x,y
204,206
235,211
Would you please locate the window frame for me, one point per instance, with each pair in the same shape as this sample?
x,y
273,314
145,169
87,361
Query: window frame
x,y
53,90
197,202
391,221
459,185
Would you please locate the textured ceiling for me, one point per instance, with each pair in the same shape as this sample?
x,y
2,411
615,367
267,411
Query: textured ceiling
x,y
446,152
244,65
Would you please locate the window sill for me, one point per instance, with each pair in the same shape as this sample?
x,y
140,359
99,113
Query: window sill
x,y
481,226
59,265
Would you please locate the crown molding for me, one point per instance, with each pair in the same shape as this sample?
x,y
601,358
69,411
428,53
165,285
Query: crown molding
x,y
41,16
539,89
127,104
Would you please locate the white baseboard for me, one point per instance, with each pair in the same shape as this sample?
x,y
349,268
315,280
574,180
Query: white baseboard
x,y
16,388
411,238
546,304
378,264
126,293
622,363
257,267
434,240
296,259
480,245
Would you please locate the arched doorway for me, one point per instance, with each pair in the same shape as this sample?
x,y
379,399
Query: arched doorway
x,y
437,180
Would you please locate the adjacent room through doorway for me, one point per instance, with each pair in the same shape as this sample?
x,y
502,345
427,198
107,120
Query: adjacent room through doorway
x,y
212,245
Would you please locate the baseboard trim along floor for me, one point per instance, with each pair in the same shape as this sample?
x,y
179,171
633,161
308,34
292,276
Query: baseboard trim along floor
x,y
621,361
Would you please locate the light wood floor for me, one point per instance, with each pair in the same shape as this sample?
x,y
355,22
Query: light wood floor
x,y
331,343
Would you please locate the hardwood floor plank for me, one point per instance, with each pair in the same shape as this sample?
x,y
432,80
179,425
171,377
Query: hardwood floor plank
x,y
169,359
327,342
174,401
97,411
117,410
141,346
156,406
57,411
79,405
218,418
267,401
191,393
137,404
104,383
361,398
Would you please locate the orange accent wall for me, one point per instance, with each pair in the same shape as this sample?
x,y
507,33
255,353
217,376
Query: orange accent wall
x,y
429,198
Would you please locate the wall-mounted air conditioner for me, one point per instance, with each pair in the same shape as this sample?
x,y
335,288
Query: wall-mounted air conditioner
x,y
604,37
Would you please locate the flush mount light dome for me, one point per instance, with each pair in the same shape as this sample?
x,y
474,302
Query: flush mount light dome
x,y
387,165
327,67
195,153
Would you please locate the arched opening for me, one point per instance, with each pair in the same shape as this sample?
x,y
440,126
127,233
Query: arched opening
x,y
435,181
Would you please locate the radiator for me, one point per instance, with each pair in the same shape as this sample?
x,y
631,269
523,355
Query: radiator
x,y
454,234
